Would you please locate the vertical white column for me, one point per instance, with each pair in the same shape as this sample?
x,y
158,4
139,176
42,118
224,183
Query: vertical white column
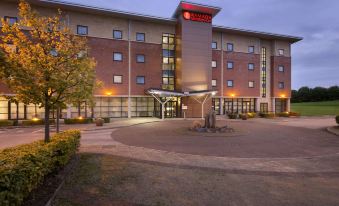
x,y
69,112
257,105
222,76
273,105
129,69
221,106
288,106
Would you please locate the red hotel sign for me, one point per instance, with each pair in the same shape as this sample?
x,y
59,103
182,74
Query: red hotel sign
x,y
193,16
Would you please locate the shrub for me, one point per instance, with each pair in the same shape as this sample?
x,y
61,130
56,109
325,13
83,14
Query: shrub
x,y
267,115
6,123
251,115
283,114
107,119
78,121
337,119
243,116
23,168
36,122
294,114
232,115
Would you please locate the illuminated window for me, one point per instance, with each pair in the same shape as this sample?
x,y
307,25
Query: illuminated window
x,y
11,20
117,56
140,37
281,52
140,58
168,61
117,34
263,72
229,83
82,30
117,79
250,66
281,85
214,82
230,47
230,65
214,64
251,84
251,49
214,45
140,80
281,68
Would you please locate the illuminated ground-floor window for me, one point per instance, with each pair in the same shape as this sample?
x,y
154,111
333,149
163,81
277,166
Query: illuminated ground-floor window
x,y
239,105
280,105
216,105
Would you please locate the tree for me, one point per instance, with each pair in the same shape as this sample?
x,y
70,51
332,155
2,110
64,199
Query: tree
x,y
44,63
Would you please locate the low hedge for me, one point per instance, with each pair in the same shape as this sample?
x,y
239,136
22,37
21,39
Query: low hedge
x,y
288,114
267,114
23,168
6,123
78,121
337,119
232,115
107,119
36,122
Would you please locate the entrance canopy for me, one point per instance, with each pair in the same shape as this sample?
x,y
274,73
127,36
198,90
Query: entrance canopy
x,y
169,93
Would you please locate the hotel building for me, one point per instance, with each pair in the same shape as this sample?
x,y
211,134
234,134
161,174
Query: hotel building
x,y
171,67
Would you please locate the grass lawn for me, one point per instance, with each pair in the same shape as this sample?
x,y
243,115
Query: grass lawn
x,y
106,180
316,108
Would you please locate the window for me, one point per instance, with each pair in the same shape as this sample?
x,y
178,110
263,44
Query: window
x,y
140,37
117,34
214,64
281,85
117,56
140,80
54,52
281,68
140,58
251,84
11,20
117,79
250,66
214,82
251,49
214,45
229,83
82,30
230,65
229,47
281,52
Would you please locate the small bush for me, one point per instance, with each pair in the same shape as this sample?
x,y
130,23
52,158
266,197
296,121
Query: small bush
x,y
6,123
232,116
267,115
294,114
282,114
337,119
23,168
36,122
107,119
251,115
78,121
243,116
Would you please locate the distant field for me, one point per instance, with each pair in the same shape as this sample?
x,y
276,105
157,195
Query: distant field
x,y
316,108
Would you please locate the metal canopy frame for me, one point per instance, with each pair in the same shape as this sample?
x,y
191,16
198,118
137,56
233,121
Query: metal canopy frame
x,y
169,95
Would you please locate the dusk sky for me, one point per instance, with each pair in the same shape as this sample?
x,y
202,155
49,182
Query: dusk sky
x,y
315,60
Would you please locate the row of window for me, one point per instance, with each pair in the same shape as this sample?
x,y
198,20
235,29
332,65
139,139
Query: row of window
x,y
230,65
251,49
117,79
117,56
230,83
117,34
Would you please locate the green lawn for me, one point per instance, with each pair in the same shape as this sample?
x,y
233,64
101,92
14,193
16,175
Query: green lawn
x,y
316,108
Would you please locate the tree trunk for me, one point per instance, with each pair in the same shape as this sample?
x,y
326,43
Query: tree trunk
x,y
58,120
46,120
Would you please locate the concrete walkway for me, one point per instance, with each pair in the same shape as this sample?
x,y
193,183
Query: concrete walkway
x,y
101,142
